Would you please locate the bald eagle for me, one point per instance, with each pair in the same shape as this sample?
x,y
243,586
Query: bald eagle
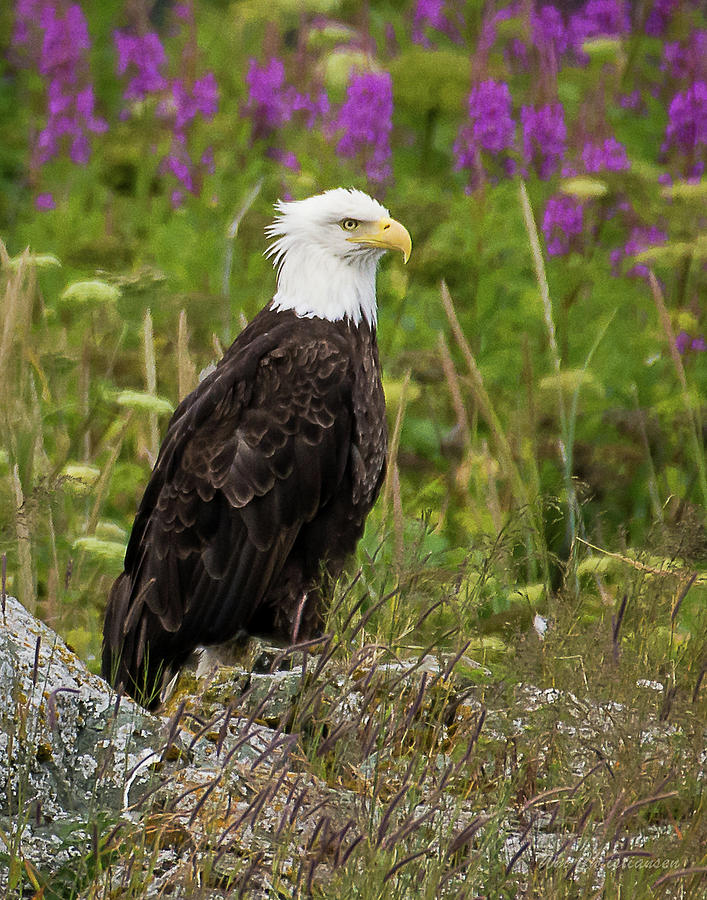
x,y
270,467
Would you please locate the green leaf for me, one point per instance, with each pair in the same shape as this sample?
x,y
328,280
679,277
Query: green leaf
x,y
338,66
666,254
569,381
144,401
393,388
112,551
429,79
80,476
685,190
584,188
110,531
39,260
94,292
603,50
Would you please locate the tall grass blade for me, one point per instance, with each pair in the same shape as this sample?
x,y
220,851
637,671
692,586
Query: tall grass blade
x,y
186,370
231,236
566,425
692,408
24,545
501,443
151,383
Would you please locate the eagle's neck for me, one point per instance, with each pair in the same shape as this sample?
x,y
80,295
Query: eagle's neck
x,y
313,282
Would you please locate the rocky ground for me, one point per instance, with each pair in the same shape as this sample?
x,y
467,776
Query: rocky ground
x,y
289,771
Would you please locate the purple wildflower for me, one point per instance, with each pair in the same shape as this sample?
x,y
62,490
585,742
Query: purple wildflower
x,y
631,101
687,119
366,119
64,39
207,160
659,17
490,129
549,32
544,137
686,60
599,18
270,100
437,15
63,63
516,54
179,163
313,106
202,98
27,15
609,156
488,35
45,201
184,11
682,342
493,127
144,57
640,239
286,158
562,222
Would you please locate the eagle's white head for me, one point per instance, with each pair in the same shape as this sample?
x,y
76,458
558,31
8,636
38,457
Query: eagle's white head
x,y
327,250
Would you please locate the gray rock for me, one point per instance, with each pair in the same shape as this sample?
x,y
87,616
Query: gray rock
x,y
73,754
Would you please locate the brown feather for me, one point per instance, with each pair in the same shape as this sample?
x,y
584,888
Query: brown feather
x,y
264,480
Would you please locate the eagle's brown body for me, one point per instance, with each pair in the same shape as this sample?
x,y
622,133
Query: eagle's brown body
x,y
261,489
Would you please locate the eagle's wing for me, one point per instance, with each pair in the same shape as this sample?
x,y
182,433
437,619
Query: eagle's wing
x,y
253,454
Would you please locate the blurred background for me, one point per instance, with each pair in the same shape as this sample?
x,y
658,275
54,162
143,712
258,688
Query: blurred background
x,y
543,351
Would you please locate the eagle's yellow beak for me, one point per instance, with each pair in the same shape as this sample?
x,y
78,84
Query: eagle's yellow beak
x,y
387,234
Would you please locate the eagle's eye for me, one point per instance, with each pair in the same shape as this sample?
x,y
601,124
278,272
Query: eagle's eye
x,y
349,224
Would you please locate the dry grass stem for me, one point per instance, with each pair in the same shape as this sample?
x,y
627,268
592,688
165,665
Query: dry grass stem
x,y
151,383
186,370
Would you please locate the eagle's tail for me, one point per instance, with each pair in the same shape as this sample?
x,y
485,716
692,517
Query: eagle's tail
x,y
130,662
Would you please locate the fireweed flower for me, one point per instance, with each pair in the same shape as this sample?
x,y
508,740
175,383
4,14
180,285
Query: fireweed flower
x,y
563,222
544,137
687,119
599,18
286,158
189,101
201,98
684,342
609,156
660,15
143,57
687,60
61,46
366,120
548,31
45,201
272,102
490,129
489,33
437,15
641,238
492,125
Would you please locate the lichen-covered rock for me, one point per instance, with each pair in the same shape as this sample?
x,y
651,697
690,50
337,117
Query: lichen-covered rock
x,y
74,755
68,750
